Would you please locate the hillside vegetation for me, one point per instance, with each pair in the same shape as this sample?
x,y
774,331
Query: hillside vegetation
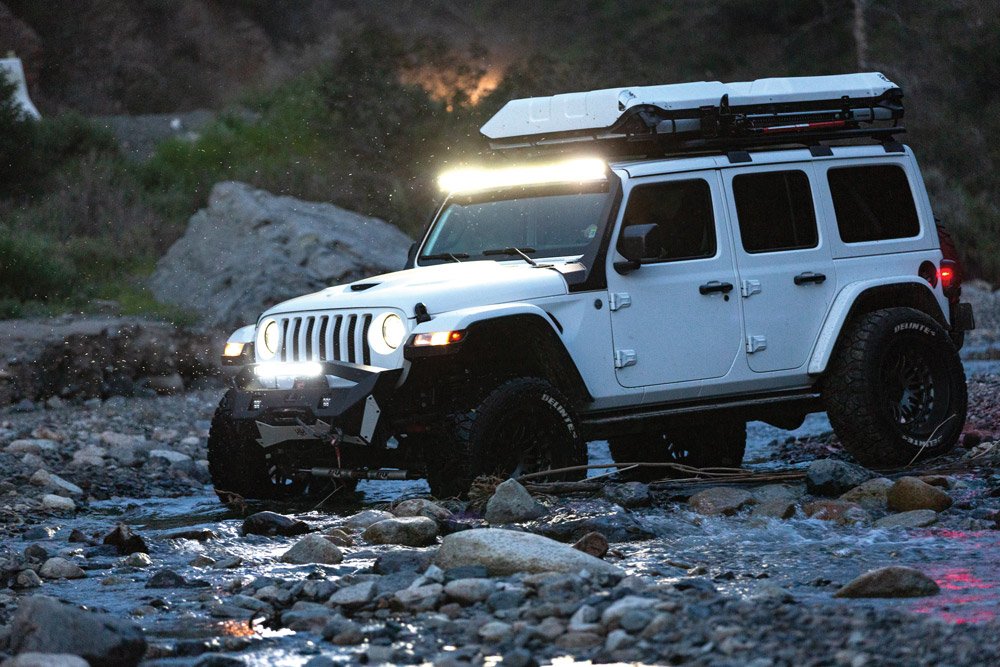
x,y
364,111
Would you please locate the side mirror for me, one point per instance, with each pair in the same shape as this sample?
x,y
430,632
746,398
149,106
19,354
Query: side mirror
x,y
636,243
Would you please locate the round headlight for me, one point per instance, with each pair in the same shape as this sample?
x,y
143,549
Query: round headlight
x,y
393,330
268,340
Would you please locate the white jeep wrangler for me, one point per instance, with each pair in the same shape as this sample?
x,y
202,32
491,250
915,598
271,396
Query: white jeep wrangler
x,y
726,258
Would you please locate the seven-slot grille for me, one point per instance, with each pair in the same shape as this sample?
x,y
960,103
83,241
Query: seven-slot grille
x,y
325,338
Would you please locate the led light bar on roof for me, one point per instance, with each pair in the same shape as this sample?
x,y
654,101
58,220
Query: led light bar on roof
x,y
579,170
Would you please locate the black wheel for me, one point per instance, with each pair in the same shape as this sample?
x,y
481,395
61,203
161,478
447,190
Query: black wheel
x,y
525,425
238,464
702,442
895,388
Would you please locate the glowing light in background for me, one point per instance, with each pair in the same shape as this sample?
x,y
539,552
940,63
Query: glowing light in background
x,y
451,85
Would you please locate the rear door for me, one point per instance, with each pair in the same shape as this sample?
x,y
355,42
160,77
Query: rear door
x,y
677,317
786,273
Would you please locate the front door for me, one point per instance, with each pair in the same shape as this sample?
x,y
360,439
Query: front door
x,y
787,280
677,317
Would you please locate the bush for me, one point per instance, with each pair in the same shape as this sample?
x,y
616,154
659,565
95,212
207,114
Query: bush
x,y
32,267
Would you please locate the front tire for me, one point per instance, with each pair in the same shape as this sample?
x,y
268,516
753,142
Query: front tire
x,y
895,389
525,425
702,442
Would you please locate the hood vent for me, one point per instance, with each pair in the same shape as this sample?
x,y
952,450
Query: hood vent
x,y
361,287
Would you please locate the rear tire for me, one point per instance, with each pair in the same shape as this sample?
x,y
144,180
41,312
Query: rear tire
x,y
525,425
702,442
895,389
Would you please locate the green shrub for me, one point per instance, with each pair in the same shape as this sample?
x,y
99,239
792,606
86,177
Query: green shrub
x,y
32,267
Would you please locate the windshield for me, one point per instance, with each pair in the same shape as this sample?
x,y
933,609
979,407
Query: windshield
x,y
542,224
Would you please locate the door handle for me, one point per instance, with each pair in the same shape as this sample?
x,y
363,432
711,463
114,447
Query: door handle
x,y
809,277
716,286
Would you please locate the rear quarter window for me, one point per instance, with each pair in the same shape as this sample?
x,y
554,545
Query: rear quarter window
x,y
873,203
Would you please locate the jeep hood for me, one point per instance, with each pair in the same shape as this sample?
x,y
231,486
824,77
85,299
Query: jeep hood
x,y
442,288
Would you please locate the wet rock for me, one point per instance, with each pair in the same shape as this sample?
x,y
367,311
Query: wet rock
x,y
125,541
894,581
511,503
911,519
169,455
414,531
306,616
45,660
909,493
940,481
365,518
494,632
60,568
27,579
272,523
593,543
50,501
449,526
618,640
570,521
774,508
56,483
786,492
354,596
39,533
505,552
138,559
614,613
872,495
469,591
838,511
628,495
419,598
198,534
45,624
403,560
313,549
720,501
829,477
166,579
421,507
227,563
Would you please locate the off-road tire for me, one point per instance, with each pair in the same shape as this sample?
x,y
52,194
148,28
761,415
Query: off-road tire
x,y
238,464
699,442
523,425
895,388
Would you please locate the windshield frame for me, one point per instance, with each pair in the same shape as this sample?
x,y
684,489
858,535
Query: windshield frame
x,y
589,255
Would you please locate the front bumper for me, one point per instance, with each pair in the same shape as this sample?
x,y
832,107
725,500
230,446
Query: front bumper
x,y
345,400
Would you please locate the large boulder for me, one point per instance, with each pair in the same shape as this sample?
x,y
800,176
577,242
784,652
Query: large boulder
x,y
43,624
251,249
506,552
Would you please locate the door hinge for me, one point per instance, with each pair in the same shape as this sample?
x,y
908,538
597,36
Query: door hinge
x,y
619,300
624,358
756,343
750,287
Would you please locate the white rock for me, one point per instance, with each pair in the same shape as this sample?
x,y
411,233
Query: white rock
x,y
614,613
365,518
354,596
411,531
511,503
138,559
51,501
421,507
505,552
191,441
60,568
57,483
169,455
420,598
313,549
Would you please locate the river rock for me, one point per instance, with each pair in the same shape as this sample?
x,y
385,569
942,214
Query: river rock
x,y
421,507
909,493
365,518
774,508
570,521
838,511
894,581
313,549
31,446
125,541
276,248
272,523
829,477
45,660
419,598
44,478
614,613
628,495
593,543
411,531
27,579
786,492
60,568
470,591
45,624
354,596
911,519
169,455
403,560
720,501
872,495
138,559
511,503
51,501
505,552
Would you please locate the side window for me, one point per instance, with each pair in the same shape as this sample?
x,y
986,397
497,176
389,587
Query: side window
x,y
683,210
873,203
775,211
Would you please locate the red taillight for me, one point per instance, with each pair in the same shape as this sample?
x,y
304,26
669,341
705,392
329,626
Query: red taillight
x,y
948,275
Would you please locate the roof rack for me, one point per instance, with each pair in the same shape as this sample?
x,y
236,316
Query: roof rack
x,y
704,116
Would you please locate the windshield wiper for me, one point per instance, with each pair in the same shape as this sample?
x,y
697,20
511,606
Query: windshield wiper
x,y
513,252
453,256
